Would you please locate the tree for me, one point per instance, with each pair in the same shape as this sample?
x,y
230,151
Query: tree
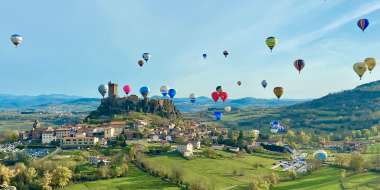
x,y
274,178
5,175
177,175
46,181
61,176
103,172
341,160
292,174
357,162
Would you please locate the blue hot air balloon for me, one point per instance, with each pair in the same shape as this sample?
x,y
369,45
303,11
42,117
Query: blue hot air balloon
x,y
204,56
218,115
320,155
363,23
144,91
172,93
192,98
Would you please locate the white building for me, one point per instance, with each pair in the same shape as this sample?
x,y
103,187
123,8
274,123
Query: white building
x,y
186,150
48,136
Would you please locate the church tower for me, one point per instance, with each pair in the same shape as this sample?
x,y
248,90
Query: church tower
x,y
112,90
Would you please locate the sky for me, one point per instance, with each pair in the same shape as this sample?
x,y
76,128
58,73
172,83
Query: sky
x,y
72,46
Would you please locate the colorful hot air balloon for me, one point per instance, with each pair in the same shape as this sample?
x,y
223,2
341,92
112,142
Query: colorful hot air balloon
x,y
215,96
218,115
225,53
127,89
164,90
278,91
320,155
219,89
192,98
370,62
144,91
238,83
16,39
141,62
299,64
228,109
204,56
172,93
271,42
223,96
264,83
363,23
360,68
146,56
103,89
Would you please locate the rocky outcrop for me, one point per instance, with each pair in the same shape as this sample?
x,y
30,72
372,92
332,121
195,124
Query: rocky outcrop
x,y
123,105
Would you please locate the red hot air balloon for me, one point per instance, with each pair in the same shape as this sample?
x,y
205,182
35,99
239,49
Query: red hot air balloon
x,y
215,96
299,64
223,96
127,89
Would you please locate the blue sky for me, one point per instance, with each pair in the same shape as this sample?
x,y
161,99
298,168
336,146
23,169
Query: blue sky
x,y
72,46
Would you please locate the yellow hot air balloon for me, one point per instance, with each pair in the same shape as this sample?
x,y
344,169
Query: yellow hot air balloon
x,y
271,42
370,62
360,68
278,91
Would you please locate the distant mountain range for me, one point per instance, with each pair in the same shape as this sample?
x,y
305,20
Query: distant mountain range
x,y
358,108
60,102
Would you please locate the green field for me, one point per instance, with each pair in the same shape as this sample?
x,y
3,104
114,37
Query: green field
x,y
136,180
329,179
218,172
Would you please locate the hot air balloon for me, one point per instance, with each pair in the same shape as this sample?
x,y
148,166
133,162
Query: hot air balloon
x,y
204,56
370,62
192,98
225,53
223,96
219,89
264,83
141,62
172,93
278,91
127,89
103,89
271,42
238,83
363,23
320,155
360,68
146,56
215,96
144,91
164,90
218,115
299,64
16,39
228,109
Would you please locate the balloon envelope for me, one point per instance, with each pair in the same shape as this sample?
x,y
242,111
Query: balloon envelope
x,y
278,91
360,68
16,39
172,93
271,42
370,62
218,115
103,89
320,155
164,90
223,96
146,56
299,64
238,83
219,89
215,96
363,23
228,109
141,62
225,53
144,91
192,98
127,89
204,56
264,83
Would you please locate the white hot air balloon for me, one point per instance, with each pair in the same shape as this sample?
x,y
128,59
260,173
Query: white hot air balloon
x,y
103,89
16,39
164,90
228,109
146,56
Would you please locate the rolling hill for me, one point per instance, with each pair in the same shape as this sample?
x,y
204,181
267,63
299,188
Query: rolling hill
x,y
358,108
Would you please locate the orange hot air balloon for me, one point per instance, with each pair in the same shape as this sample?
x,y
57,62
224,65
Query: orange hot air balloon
x,y
278,91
